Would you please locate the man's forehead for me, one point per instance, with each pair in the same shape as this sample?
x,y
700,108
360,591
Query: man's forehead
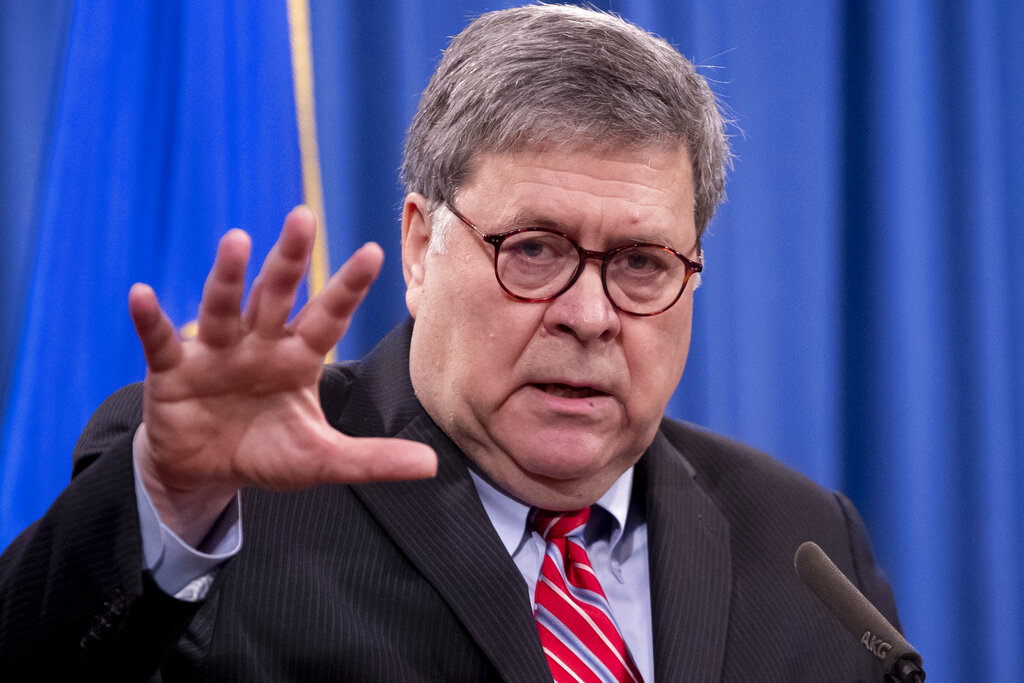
x,y
560,186
554,149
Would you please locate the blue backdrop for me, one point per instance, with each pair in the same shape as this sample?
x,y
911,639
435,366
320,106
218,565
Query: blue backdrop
x,y
861,314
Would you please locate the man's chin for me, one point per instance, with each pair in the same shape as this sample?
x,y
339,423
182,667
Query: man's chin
x,y
559,478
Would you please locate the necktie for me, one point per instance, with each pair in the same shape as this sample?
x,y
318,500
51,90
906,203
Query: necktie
x,y
580,639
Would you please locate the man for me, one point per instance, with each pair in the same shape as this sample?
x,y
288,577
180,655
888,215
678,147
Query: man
x,y
401,515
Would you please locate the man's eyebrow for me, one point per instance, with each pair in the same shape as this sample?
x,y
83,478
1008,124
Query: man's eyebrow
x,y
652,238
529,218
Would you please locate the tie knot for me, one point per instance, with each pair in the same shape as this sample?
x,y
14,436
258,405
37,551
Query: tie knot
x,y
554,525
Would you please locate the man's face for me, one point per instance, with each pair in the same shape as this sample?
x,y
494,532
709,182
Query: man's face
x,y
552,400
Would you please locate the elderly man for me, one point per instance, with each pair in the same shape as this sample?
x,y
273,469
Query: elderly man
x,y
494,492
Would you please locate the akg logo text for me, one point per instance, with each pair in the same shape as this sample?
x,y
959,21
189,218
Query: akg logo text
x,y
875,645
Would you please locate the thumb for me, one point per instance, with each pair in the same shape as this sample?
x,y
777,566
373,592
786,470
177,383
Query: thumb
x,y
361,460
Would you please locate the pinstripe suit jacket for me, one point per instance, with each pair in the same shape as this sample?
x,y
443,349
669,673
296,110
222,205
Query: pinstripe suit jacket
x,y
409,581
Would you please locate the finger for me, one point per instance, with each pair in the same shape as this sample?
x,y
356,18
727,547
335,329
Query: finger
x,y
360,460
324,319
220,311
160,343
273,293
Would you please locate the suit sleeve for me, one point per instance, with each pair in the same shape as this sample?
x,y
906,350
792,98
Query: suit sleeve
x,y
75,602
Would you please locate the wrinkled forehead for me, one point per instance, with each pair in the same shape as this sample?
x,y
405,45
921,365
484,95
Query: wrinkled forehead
x,y
603,196
571,146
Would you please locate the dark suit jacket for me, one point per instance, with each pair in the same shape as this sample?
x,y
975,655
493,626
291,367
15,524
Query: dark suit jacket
x,y
409,581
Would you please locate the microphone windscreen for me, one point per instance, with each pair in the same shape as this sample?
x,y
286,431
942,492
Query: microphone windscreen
x,y
855,611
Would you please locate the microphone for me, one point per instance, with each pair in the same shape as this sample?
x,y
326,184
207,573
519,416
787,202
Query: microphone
x,y
857,614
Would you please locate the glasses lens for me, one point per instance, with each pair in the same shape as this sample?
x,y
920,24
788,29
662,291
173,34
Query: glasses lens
x,y
535,264
645,279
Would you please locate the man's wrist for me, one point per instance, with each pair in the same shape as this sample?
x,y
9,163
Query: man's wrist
x,y
189,514
180,568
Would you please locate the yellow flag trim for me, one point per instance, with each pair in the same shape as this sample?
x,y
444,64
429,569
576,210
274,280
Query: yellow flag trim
x,y
300,37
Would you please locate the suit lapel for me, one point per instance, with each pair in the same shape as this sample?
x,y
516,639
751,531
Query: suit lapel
x,y
442,527
691,579
440,523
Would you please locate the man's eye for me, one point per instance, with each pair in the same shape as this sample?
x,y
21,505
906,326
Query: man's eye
x,y
537,247
644,262
532,249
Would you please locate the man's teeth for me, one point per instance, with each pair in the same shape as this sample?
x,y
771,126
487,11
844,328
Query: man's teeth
x,y
566,391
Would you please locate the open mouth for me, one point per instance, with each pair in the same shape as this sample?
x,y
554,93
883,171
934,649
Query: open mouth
x,y
566,391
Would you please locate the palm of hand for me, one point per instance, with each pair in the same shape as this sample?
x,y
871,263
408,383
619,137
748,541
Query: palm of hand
x,y
238,405
244,415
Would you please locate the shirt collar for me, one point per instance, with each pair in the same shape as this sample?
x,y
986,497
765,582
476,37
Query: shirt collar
x,y
508,515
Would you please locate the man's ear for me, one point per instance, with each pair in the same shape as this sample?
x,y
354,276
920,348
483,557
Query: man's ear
x,y
416,228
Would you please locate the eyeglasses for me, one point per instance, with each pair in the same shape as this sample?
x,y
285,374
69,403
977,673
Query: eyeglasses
x,y
539,264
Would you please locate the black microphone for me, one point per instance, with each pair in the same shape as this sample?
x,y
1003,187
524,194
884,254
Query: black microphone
x,y
857,614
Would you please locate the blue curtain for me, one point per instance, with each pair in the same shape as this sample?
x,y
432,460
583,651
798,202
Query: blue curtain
x,y
862,313
172,123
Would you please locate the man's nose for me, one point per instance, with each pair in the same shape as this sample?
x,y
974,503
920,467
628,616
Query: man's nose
x,y
584,309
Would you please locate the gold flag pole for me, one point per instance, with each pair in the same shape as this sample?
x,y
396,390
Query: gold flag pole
x,y
300,38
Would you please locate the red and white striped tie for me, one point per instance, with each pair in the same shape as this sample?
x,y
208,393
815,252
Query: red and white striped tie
x,y
577,630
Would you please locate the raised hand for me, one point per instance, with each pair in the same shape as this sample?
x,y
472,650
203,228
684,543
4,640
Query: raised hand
x,y
238,405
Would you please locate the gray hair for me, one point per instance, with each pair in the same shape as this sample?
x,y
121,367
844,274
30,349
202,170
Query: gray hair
x,y
543,75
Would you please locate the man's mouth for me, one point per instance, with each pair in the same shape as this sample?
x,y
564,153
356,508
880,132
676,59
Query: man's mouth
x,y
567,391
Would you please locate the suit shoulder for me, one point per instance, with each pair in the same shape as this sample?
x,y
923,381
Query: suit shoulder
x,y
118,415
718,460
762,497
